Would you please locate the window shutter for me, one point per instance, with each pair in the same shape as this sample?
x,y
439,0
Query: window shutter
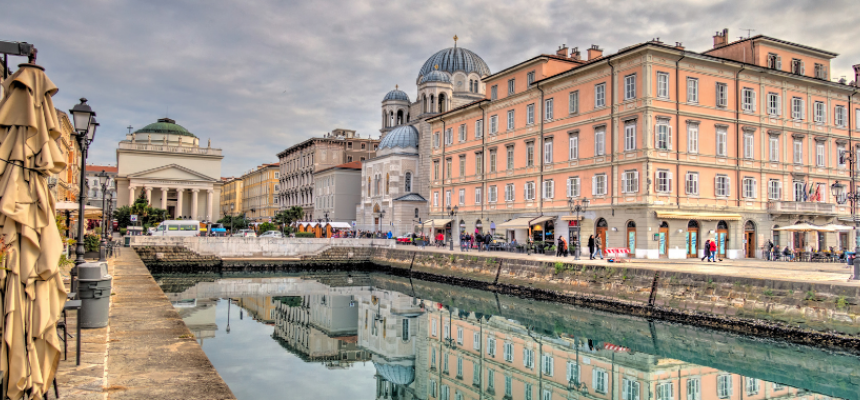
x,y
802,68
635,388
594,374
625,391
778,105
778,62
728,186
594,185
671,389
779,190
623,182
569,188
636,178
669,181
551,189
669,136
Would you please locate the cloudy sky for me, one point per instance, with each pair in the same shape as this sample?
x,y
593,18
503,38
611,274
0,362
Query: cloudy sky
x,y
257,76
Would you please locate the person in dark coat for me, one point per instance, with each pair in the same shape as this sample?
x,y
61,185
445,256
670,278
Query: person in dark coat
x,y
591,247
707,249
488,240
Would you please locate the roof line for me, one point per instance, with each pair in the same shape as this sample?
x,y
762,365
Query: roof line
x,y
554,57
775,40
463,107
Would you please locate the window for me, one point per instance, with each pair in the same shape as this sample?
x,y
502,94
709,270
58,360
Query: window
x,y
600,141
510,158
508,352
528,391
447,200
630,390
773,106
797,67
529,358
819,154
548,189
691,183
573,147
448,167
598,380
510,86
491,379
663,85
548,109
530,154
479,128
476,339
435,199
798,151
433,329
547,394
749,188
663,139
724,386
820,72
694,389
449,136
749,143
664,391
509,192
722,141
773,145
492,195
752,386
722,187
530,77
494,92
630,181
722,95
840,155
692,90
493,160
630,135
445,360
820,112
572,372
462,132
530,114
693,138
600,95
777,387
573,103
462,198
476,373
547,364
479,163
433,387
436,140
459,367
510,120
630,87
573,187
748,97
446,392
530,190
478,195
547,152
509,383
462,166
839,116
664,181
799,193
797,108
598,185
491,347
436,169
774,61
494,124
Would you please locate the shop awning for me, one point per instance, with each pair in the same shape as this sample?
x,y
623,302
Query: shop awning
x,y
437,222
572,218
340,225
698,216
516,223
541,220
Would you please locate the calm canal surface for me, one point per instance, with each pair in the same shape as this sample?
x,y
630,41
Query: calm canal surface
x,y
375,336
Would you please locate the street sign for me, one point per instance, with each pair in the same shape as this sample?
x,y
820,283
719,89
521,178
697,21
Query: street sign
x,y
134,218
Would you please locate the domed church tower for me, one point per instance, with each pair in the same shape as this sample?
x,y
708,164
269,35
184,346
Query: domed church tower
x,y
395,109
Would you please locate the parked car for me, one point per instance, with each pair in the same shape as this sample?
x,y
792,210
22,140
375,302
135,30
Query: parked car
x,y
272,234
245,233
218,230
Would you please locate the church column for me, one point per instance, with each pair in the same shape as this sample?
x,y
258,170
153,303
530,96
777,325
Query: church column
x,y
164,198
149,194
210,194
131,195
179,202
194,203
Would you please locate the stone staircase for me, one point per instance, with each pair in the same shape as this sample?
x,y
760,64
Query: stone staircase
x,y
173,258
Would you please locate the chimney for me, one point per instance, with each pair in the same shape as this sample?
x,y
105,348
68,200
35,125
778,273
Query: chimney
x,y
575,54
562,50
679,45
721,38
594,52
856,74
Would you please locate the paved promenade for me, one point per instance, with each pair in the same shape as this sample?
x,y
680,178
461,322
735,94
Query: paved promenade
x,y
748,268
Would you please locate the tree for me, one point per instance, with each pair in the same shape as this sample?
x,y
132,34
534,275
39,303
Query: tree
x,y
123,216
266,226
288,216
146,214
238,221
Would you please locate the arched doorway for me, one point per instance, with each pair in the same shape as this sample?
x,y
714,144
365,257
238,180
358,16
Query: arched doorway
x,y
479,227
722,238
631,237
749,239
663,240
692,239
799,239
600,232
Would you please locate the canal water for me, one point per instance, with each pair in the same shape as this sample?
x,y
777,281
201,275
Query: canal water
x,y
339,336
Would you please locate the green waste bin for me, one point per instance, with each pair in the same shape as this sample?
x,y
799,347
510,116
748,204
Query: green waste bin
x,y
94,285
127,240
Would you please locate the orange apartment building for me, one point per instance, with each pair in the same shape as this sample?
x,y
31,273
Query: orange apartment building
x,y
671,147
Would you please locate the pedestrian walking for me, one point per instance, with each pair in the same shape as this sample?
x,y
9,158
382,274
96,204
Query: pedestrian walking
x,y
713,251
707,249
591,247
488,239
769,250
598,247
559,247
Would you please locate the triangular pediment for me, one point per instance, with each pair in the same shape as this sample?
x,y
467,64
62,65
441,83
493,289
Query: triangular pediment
x,y
172,172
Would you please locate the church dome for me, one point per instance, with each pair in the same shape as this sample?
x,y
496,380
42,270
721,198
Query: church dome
x,y
455,59
165,125
396,94
404,136
436,76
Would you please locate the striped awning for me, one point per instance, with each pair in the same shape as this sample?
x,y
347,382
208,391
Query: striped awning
x,y
698,216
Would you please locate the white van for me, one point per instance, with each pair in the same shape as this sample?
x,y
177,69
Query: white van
x,y
178,228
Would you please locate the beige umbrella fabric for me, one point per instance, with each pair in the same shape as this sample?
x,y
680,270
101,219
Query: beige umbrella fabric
x,y
32,289
803,227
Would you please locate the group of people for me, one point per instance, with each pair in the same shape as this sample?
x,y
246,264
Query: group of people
x,y
476,240
710,251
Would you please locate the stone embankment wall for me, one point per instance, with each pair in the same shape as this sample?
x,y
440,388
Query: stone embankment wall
x,y
240,247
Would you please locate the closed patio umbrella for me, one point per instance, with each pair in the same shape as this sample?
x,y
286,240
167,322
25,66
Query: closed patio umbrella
x,y
32,289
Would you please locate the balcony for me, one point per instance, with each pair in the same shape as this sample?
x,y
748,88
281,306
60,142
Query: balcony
x,y
801,207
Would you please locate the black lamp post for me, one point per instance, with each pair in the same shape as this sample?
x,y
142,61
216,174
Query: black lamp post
x,y
452,212
577,207
103,242
84,119
838,192
232,206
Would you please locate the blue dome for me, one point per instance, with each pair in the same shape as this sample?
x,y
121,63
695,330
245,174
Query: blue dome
x,y
455,59
403,136
396,94
436,76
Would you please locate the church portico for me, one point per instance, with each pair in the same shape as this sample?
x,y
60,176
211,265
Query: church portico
x,y
186,199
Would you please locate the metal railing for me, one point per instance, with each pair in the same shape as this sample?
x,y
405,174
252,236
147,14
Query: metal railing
x,y
170,149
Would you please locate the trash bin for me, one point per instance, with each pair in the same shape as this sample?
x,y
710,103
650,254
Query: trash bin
x,y
127,240
94,286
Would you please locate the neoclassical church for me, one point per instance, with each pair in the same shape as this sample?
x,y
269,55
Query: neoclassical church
x,y
395,183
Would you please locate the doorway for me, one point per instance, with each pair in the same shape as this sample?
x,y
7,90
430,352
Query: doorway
x,y
722,238
749,239
663,240
631,237
843,241
600,232
776,236
692,239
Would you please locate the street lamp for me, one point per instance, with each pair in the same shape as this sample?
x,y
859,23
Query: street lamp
x,y
452,212
232,206
838,191
85,132
103,242
577,207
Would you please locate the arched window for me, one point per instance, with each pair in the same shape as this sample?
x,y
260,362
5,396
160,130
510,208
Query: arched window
x,y
432,102
425,103
442,103
391,119
399,117
416,213
408,186
387,183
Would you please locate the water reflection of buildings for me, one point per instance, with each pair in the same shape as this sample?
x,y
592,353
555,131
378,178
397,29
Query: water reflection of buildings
x,y
259,308
199,316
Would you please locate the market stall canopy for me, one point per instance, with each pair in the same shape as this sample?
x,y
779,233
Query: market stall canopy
x,y
516,223
698,216
340,225
90,212
437,222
